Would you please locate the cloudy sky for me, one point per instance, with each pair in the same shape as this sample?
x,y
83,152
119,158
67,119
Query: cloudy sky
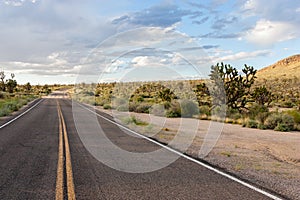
x,y
55,41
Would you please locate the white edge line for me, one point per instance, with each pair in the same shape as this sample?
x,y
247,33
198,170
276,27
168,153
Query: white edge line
x,y
190,158
17,117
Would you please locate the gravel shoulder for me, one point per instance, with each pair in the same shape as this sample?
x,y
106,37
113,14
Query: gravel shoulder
x,y
264,157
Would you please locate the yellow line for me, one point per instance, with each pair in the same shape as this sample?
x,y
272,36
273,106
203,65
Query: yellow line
x,y
69,171
60,164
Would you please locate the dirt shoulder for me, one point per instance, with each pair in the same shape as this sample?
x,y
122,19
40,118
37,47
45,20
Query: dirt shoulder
x,y
264,157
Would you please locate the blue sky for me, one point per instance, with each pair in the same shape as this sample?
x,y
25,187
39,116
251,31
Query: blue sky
x,y
57,41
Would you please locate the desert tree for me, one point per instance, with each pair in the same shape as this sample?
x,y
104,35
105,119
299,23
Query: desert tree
x,y
236,85
262,96
11,84
2,81
166,95
28,87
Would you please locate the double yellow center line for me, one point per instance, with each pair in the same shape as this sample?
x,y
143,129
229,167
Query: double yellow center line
x,y
64,166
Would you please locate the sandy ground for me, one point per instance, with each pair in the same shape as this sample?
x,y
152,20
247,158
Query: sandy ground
x,y
264,157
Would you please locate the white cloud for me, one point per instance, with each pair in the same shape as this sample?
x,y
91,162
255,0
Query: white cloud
x,y
17,3
250,5
115,66
242,56
275,10
268,32
150,61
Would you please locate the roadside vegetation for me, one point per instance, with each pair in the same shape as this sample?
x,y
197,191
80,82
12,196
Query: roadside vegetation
x,y
14,96
255,103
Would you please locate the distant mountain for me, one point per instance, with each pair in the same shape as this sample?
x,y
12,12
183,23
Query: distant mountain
x,y
287,68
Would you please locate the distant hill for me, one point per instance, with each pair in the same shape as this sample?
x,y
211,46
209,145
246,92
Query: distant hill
x,y
283,80
287,68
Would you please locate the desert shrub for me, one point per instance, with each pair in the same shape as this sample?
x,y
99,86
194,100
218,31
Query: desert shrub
x,y
122,108
244,122
287,104
236,116
88,93
188,108
282,127
205,110
233,114
2,95
12,106
256,110
286,124
134,120
101,102
137,98
272,120
158,110
167,104
229,120
174,110
107,106
119,101
280,122
127,120
295,114
132,106
250,123
297,127
4,111
143,108
261,117
261,126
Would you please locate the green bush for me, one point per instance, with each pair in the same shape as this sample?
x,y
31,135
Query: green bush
x,y
107,106
13,104
101,102
280,122
261,117
122,108
286,124
282,127
188,108
133,106
251,123
4,111
158,110
261,126
119,102
233,114
143,108
205,110
174,110
134,120
256,110
3,95
287,104
137,98
272,120
295,114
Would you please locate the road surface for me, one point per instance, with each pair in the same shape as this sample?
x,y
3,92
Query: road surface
x,y
43,157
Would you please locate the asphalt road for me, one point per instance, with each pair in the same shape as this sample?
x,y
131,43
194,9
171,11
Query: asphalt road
x,y
29,169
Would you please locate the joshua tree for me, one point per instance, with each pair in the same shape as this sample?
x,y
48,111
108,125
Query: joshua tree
x,y
236,86
2,82
11,84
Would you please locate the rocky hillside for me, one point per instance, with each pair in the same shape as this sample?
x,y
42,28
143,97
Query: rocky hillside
x,y
283,80
287,68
